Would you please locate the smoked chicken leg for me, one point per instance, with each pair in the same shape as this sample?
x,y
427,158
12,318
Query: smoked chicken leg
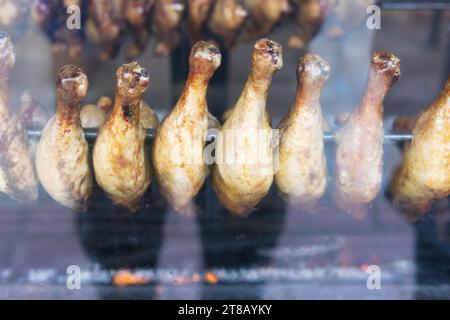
x,y
243,173
180,140
62,154
17,177
359,154
302,172
122,167
424,175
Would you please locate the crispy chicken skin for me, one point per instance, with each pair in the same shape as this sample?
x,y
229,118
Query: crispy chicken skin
x,y
424,175
62,155
359,154
167,16
243,172
17,177
121,164
302,172
94,115
180,139
226,19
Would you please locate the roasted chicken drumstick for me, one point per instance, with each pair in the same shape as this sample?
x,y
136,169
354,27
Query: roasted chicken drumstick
x,y
17,176
425,172
198,13
62,154
122,167
226,20
309,15
178,156
264,15
243,173
137,14
359,154
105,26
167,16
302,171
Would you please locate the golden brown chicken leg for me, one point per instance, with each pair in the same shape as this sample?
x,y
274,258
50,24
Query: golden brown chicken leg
x,y
243,172
121,165
405,124
264,15
94,115
310,15
105,26
17,176
302,171
62,155
180,140
198,13
149,118
227,18
359,153
137,14
167,16
424,175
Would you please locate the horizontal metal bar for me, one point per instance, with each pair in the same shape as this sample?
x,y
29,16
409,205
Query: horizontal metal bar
x,y
92,134
416,5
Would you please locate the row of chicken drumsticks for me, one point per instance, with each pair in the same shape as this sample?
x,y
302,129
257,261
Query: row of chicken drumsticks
x,y
123,166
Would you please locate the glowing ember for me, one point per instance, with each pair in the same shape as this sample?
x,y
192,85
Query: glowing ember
x,y
125,278
211,278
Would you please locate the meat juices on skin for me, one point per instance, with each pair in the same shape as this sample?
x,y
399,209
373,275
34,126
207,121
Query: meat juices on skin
x,y
240,185
302,172
180,139
122,167
62,154
424,174
359,153
17,176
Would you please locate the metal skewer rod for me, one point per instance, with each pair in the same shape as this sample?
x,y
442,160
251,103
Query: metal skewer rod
x,y
92,134
416,5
